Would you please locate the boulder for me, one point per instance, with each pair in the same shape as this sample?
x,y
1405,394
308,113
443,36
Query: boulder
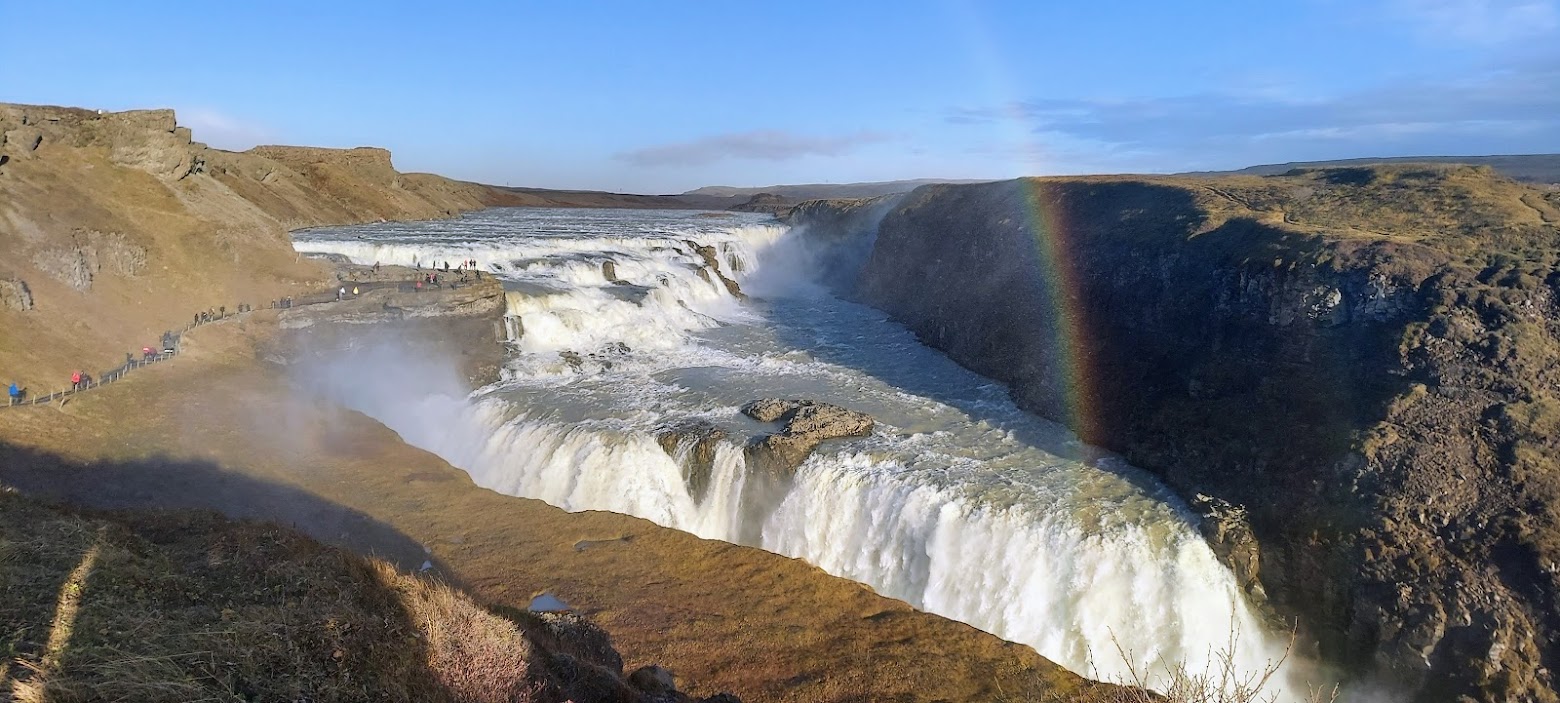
x,y
809,419
807,424
22,141
572,634
769,409
609,272
712,262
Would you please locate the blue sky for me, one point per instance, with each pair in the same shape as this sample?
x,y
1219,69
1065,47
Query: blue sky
x,y
667,96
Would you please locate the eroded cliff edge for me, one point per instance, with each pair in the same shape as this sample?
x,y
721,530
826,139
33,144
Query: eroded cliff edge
x,y
1362,361
117,226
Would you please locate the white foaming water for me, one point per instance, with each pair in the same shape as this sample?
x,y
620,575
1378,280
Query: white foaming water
x,y
960,503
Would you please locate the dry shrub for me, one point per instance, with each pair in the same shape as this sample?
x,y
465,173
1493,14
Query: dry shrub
x,y
475,655
1220,681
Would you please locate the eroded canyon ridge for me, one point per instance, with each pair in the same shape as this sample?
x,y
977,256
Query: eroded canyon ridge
x,y
1351,372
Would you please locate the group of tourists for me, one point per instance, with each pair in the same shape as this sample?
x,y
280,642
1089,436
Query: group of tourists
x,y
80,380
461,268
212,315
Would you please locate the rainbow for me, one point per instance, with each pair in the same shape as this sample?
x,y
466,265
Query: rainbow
x,y
1045,224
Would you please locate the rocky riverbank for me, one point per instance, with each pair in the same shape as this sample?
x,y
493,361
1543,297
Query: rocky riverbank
x,y
1350,371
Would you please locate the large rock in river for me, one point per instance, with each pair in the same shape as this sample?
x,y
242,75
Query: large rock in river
x,y
807,424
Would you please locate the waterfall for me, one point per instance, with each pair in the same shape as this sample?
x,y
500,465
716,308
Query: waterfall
x,y
960,504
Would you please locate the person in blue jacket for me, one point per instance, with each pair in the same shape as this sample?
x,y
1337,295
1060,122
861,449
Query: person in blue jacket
x,y
15,394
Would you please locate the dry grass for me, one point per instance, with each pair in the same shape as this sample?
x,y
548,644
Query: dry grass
x,y
1221,680
192,607
473,654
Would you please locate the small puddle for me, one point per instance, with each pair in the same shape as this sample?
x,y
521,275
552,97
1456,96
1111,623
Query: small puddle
x,y
585,544
547,603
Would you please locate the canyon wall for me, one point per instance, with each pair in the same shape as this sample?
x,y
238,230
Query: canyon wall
x,y
1351,373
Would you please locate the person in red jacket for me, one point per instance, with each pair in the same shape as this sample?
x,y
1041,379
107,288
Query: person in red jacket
x,y
75,381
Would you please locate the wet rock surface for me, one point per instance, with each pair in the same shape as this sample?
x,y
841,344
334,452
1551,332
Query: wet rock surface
x,y
609,272
1228,531
700,438
807,424
712,263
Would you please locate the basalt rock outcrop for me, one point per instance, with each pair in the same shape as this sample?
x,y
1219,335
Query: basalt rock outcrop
x,y
1355,369
807,424
766,203
712,264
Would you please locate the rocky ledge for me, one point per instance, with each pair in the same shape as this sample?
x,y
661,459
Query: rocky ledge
x,y
807,424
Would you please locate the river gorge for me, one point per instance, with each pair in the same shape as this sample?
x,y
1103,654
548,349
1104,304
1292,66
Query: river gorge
x,y
627,325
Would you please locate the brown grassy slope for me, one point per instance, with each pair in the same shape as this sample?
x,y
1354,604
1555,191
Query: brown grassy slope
x,y
189,606
725,618
121,227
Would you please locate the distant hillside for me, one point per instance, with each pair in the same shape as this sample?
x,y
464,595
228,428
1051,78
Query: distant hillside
x,y
825,191
1531,168
546,197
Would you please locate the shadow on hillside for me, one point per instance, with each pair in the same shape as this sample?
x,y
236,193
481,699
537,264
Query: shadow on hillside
x,y
172,484
295,615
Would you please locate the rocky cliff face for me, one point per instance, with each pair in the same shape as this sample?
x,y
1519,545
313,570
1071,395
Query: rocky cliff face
x,y
121,219
1352,372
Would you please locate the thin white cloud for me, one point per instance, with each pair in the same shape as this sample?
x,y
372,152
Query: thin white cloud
x,y
221,130
1512,110
1487,22
757,145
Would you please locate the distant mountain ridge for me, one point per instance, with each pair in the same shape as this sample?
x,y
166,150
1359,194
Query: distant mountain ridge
x,y
1530,168
824,191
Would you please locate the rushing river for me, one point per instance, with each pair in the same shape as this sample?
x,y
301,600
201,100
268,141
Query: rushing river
x,y
959,503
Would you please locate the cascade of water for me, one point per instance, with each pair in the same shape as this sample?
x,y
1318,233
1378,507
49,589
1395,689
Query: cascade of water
x,y
950,507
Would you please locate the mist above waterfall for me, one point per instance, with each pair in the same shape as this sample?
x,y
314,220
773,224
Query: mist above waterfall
x,y
959,504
